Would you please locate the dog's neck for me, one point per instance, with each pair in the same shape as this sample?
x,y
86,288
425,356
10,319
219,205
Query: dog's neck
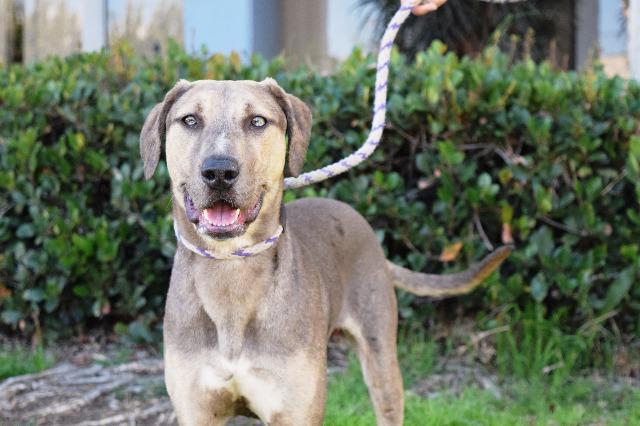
x,y
229,289
236,254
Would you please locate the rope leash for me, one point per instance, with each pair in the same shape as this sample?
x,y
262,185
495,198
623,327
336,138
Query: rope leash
x,y
364,152
379,108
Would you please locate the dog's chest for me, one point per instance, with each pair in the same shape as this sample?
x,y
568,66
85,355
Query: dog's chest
x,y
242,378
264,382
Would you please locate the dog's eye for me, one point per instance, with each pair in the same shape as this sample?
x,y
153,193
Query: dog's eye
x,y
258,121
190,121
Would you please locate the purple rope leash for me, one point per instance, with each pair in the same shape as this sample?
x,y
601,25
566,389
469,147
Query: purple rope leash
x,y
379,108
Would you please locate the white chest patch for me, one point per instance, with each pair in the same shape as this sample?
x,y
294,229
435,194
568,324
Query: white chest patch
x,y
242,378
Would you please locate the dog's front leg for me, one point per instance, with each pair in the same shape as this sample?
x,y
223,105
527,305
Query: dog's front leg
x,y
199,392
289,391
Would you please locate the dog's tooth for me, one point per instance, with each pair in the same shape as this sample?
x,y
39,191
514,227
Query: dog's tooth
x,y
210,215
236,216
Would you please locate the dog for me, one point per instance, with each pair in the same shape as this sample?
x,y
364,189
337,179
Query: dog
x,y
247,335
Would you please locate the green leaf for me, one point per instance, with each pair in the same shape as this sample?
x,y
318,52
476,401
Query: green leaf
x,y
11,316
33,295
449,154
25,230
619,289
539,287
81,291
543,199
542,241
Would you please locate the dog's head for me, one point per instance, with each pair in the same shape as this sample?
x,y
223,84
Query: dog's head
x,y
227,154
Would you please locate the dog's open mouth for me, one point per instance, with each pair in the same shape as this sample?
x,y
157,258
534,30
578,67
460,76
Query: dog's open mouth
x,y
222,219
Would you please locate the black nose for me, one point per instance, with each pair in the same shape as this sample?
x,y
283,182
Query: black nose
x,y
220,172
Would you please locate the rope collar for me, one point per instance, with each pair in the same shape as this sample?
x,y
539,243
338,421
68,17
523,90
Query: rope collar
x,y
240,253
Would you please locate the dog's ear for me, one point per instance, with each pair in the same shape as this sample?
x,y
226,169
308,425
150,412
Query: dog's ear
x,y
299,123
155,127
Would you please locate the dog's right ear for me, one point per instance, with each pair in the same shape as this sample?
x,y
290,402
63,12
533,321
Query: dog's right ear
x,y
155,128
298,117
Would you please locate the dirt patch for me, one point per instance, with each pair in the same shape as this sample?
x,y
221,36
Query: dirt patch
x,y
98,394
102,383
454,376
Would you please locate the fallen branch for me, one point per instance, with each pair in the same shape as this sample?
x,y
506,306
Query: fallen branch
x,y
81,401
134,417
66,391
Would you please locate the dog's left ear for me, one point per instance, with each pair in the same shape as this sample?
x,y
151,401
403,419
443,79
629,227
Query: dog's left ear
x,y
299,123
155,127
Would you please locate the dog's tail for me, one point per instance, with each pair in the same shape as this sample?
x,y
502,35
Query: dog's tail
x,y
450,284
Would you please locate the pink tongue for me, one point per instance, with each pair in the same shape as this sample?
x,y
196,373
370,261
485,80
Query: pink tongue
x,y
220,214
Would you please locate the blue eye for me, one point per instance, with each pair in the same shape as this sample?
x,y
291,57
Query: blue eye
x,y
190,121
258,121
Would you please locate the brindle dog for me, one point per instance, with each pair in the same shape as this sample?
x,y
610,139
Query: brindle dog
x,y
249,336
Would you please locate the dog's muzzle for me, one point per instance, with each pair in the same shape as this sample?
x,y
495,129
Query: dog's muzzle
x,y
221,219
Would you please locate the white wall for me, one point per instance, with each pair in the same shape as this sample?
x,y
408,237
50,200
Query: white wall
x,y
348,27
613,39
222,26
633,26
94,22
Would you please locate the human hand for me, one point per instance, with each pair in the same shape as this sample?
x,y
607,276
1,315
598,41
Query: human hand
x,y
427,6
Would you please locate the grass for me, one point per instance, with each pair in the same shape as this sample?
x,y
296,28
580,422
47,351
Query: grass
x,y
534,401
536,345
15,361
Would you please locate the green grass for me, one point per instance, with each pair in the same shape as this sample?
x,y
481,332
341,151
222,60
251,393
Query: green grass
x,y
536,345
539,401
15,361
417,355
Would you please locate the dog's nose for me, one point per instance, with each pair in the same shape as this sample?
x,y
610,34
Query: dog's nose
x,y
220,172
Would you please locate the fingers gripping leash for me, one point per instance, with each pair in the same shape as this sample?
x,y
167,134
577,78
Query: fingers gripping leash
x,y
379,107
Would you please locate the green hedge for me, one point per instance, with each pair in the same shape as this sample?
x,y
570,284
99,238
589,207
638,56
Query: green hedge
x,y
472,146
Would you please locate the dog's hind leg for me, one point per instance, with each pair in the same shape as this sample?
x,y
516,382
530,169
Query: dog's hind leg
x,y
370,319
